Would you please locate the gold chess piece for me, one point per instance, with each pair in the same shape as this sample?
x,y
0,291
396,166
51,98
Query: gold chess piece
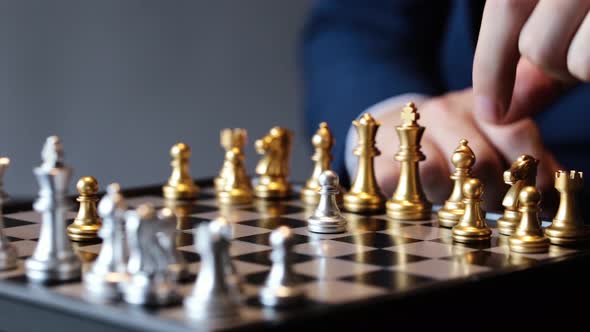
x,y
365,196
273,167
180,184
87,223
522,173
322,141
568,226
233,185
463,159
409,201
529,237
472,227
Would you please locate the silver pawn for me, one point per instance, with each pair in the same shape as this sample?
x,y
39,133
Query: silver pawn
x,y
109,271
327,217
166,237
8,255
54,259
280,288
212,296
149,282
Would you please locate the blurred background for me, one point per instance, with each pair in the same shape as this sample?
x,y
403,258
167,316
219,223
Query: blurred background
x,y
121,81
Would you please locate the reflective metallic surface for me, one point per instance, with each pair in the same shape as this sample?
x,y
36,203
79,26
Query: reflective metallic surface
x,y
365,196
273,167
180,184
327,217
409,201
529,237
472,227
87,223
232,185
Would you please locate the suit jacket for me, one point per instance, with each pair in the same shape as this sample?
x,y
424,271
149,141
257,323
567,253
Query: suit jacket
x,y
357,53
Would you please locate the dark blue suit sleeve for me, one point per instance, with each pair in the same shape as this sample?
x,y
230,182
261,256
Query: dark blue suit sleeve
x,y
357,53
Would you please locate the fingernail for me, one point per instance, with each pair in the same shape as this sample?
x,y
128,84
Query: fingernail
x,y
487,109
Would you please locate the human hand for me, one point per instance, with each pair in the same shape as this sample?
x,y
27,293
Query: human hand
x,y
448,119
528,53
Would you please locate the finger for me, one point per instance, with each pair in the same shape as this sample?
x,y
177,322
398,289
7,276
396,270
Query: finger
x,y
533,91
578,56
547,34
496,56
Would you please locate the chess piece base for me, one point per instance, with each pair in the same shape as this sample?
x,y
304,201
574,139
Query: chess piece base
x,y
201,309
83,232
281,297
508,223
528,244
364,203
449,217
8,259
406,210
104,288
272,188
181,192
568,236
326,225
54,270
235,196
140,290
471,234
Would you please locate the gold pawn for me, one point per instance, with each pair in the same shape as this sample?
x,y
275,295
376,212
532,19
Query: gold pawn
x,y
568,226
472,227
529,237
322,141
463,159
522,173
365,196
87,223
273,166
180,184
233,185
409,201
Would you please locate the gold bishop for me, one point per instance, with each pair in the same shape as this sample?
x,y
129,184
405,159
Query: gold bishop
x,y
322,141
409,201
87,223
180,185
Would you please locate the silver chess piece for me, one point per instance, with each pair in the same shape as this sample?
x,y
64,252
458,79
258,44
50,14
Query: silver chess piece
x,y
8,255
281,287
149,282
166,237
54,259
212,296
104,279
327,217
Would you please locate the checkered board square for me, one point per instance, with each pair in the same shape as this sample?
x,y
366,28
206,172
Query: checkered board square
x,y
376,257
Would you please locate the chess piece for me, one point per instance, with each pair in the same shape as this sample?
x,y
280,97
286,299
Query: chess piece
x,y
472,227
53,259
87,223
409,201
568,226
233,185
233,280
528,237
166,236
149,282
180,184
280,288
327,217
365,196
106,275
211,296
8,254
273,167
322,141
463,159
522,173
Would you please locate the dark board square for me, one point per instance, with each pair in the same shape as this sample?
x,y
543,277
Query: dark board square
x,y
190,257
264,239
204,195
376,240
492,243
190,223
13,239
184,239
202,209
382,258
394,280
10,222
491,259
263,258
259,278
275,209
273,223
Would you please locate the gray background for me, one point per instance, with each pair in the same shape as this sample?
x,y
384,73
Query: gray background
x,y
121,81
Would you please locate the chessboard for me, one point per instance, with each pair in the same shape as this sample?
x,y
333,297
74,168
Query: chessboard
x,y
377,263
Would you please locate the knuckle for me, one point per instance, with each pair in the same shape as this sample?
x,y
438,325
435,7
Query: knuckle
x,y
579,66
535,51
